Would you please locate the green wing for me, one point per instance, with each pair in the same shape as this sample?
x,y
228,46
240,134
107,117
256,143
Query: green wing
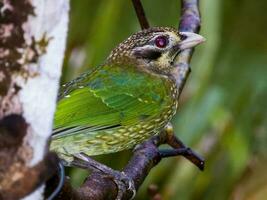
x,y
108,97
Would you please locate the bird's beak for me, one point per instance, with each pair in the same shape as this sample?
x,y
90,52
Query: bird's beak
x,y
190,40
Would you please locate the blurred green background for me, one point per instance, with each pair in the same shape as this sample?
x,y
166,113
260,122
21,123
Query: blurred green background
x,y
223,109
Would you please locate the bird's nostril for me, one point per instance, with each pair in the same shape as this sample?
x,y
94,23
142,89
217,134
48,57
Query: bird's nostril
x,y
183,37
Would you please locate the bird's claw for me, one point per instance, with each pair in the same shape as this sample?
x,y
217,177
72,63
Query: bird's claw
x,y
123,183
130,182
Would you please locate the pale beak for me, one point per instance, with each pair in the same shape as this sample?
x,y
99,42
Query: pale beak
x,y
190,40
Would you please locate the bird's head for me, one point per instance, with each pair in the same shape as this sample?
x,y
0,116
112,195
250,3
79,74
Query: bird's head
x,y
154,49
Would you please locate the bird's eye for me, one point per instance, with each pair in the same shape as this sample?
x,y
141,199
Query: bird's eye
x,y
161,41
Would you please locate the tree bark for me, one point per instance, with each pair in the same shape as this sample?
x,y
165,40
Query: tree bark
x,y
32,43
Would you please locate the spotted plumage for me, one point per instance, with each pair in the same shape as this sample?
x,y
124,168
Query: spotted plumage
x,y
119,104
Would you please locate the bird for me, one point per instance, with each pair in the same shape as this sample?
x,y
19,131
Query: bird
x,y
117,105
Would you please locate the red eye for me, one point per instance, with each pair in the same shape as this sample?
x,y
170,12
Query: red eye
x,y
161,41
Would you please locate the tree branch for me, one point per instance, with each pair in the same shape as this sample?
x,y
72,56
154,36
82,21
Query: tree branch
x,y
140,14
189,21
97,186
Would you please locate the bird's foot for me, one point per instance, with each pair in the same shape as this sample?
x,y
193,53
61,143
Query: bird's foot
x,y
122,181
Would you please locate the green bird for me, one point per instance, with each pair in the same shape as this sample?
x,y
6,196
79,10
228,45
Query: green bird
x,y
126,100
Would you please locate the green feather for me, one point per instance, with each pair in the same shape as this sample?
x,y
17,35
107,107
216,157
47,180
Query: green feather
x,y
107,99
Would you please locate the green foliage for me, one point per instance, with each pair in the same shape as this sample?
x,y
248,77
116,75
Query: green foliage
x,y
223,109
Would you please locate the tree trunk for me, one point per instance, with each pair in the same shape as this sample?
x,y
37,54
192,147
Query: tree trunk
x,y
32,43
